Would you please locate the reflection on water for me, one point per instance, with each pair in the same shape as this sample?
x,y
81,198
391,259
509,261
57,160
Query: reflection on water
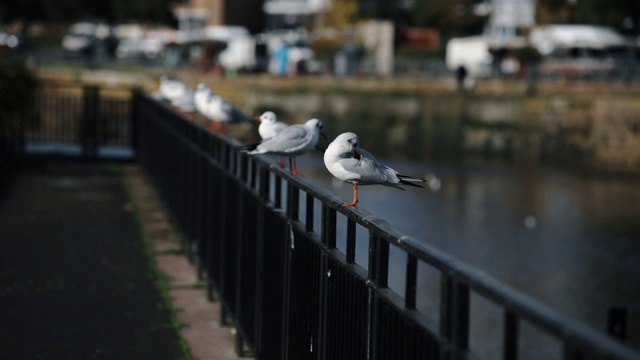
x,y
570,241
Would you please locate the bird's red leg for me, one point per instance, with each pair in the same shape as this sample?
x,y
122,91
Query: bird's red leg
x,y
281,162
293,166
355,196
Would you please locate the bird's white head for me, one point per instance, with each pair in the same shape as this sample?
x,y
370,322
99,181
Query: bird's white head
x,y
268,117
316,125
347,140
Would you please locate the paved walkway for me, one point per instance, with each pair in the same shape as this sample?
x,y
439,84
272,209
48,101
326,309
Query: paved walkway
x,y
75,278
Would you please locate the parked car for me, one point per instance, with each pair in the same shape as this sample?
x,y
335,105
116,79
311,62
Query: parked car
x,y
146,49
82,38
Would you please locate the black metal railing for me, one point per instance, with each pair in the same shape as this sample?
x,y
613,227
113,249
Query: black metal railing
x,y
73,120
268,245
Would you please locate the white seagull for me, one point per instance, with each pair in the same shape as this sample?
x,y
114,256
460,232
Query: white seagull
x,y
293,141
347,162
217,109
176,93
269,127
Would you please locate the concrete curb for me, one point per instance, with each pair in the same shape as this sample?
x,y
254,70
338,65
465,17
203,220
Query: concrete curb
x,y
206,337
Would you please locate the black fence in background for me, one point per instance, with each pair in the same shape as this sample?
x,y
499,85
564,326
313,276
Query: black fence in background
x,y
267,243
71,120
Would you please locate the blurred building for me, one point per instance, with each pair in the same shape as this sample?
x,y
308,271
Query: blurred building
x,y
509,20
197,14
291,14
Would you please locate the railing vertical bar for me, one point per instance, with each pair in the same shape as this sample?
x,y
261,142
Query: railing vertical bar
x,y
293,201
252,174
378,260
264,183
309,212
351,241
454,313
511,336
277,203
244,167
328,226
411,281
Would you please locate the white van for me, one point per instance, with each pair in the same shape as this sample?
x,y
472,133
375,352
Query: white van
x,y
469,54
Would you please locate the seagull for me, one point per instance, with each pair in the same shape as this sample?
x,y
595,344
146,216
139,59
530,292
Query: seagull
x,y
201,96
270,127
217,109
170,88
293,141
347,162
185,102
176,93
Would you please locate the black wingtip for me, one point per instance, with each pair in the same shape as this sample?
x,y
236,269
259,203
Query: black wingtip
x,y
411,181
248,147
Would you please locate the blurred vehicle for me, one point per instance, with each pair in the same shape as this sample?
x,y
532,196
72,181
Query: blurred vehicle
x,y
146,49
82,38
581,49
469,55
571,49
9,40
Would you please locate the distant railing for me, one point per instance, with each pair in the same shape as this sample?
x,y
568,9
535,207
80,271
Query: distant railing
x,y
74,120
267,243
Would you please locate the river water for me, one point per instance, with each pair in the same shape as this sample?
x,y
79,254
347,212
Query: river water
x,y
569,240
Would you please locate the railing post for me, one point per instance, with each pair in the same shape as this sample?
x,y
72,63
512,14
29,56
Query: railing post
x,y
89,127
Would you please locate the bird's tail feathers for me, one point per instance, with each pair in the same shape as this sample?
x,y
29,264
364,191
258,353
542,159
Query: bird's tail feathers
x,y
248,147
411,181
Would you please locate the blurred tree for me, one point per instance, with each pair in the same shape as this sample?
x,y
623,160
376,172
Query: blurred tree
x,y
74,10
452,17
342,13
554,12
623,15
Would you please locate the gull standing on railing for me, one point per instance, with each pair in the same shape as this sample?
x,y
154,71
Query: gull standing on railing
x,y
217,109
348,162
269,127
293,141
176,93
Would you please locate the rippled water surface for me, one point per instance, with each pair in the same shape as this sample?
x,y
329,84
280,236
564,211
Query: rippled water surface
x,y
570,241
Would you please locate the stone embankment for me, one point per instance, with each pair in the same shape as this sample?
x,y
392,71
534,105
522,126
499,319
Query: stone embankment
x,y
587,125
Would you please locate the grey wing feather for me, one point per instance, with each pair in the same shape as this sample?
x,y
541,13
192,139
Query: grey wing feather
x,y
234,113
289,140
